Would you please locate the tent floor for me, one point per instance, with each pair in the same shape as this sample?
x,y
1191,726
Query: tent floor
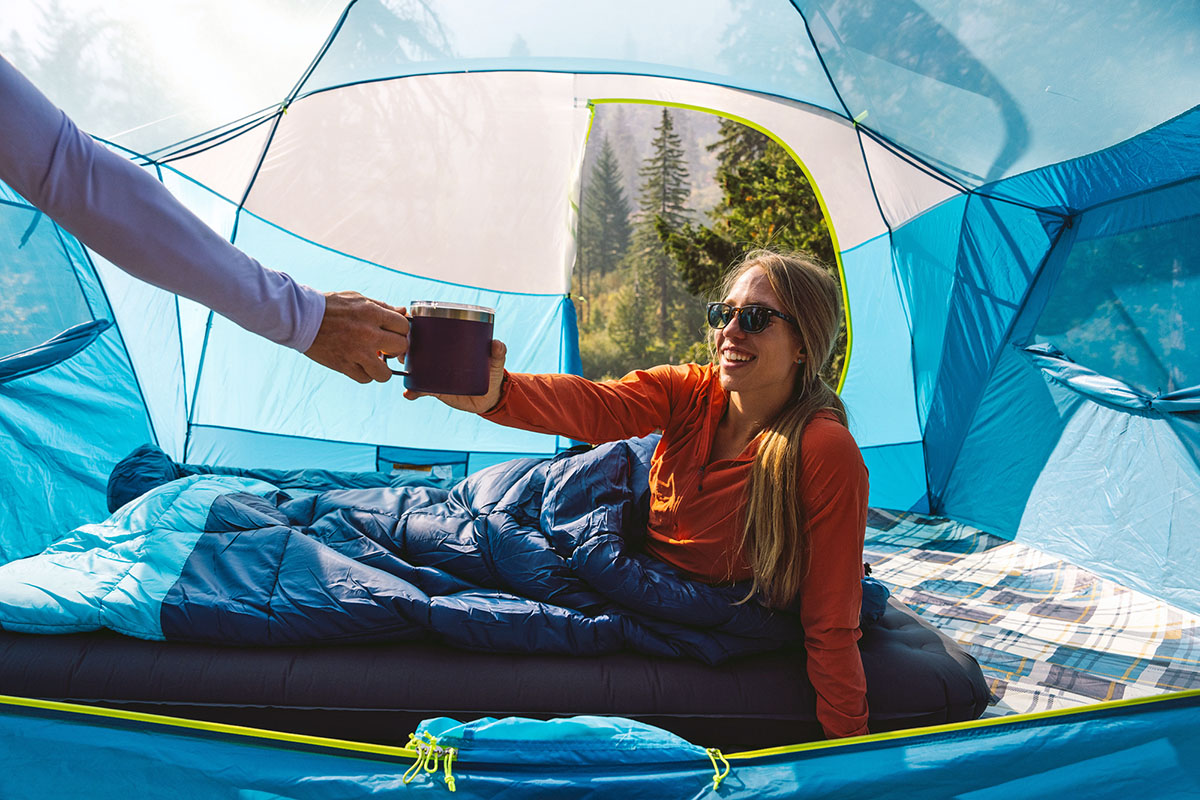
x,y
1046,633
379,693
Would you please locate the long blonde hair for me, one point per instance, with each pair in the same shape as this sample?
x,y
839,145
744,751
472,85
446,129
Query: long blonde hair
x,y
776,541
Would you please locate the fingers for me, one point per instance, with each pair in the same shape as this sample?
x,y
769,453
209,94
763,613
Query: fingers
x,y
391,318
377,370
394,344
356,373
392,327
390,337
354,331
401,310
499,353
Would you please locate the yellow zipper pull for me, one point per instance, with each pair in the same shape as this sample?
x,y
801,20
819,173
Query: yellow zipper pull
x,y
718,775
451,753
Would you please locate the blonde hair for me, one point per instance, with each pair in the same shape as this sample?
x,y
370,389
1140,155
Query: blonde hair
x,y
775,541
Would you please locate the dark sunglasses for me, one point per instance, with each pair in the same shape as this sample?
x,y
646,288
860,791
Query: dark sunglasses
x,y
751,319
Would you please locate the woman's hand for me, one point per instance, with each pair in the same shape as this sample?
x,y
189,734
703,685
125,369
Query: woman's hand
x,y
475,404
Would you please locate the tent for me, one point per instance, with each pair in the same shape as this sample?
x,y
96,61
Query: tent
x,y
1013,191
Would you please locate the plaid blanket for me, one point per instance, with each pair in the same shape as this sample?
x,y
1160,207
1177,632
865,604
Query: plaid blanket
x,y
1046,633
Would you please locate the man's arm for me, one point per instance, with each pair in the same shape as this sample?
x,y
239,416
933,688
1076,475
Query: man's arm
x,y
127,216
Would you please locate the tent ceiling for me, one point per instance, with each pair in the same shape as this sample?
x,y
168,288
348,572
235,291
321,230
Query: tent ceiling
x,y
981,90
466,178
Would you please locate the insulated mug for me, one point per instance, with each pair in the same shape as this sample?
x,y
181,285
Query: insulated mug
x,y
449,348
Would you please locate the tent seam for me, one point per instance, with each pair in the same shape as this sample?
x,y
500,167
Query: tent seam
x,y
978,726
935,499
913,159
1003,342
210,727
1125,141
196,387
215,141
544,71
137,381
180,145
1141,193
312,67
821,60
367,445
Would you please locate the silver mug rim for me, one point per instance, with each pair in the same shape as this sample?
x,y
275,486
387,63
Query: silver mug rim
x,y
435,308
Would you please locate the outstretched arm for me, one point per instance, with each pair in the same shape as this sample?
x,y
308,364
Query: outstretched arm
x,y
573,406
127,216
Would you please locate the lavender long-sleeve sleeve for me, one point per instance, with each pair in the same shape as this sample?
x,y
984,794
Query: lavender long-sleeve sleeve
x,y
127,216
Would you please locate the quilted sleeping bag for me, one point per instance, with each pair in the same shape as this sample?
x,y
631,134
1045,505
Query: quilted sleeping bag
x,y
532,555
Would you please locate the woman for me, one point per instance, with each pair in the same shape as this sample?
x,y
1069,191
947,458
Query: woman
x,y
756,475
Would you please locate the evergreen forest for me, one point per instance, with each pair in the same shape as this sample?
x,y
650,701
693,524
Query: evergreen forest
x,y
648,262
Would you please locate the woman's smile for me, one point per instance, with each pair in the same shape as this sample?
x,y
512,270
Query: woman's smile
x,y
733,357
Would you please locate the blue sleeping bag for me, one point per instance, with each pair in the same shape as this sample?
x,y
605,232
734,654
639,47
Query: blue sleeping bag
x,y
532,555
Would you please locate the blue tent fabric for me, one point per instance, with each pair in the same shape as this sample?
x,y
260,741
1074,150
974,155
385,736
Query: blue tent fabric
x,y
1003,246
1110,751
148,467
53,351
71,404
1061,368
1164,155
1090,442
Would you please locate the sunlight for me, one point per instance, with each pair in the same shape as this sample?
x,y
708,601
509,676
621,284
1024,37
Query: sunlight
x,y
213,60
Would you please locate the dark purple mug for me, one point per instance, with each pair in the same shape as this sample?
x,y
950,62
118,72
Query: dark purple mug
x,y
449,348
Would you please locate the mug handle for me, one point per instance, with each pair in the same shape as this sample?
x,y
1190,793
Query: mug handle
x,y
393,371
386,357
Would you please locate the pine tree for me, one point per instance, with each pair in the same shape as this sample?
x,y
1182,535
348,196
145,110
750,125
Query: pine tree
x,y
768,202
739,144
665,189
661,203
605,229
627,330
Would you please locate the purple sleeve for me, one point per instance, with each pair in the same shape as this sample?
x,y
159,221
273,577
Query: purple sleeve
x,y
127,216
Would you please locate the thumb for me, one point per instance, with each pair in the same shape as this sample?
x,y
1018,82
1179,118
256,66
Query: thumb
x,y
496,367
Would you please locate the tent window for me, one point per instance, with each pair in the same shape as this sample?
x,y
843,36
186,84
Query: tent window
x,y
40,295
434,464
1126,306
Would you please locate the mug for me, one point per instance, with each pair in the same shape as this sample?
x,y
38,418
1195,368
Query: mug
x,y
449,348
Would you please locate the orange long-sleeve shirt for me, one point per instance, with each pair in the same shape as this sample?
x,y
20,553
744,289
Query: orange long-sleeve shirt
x,y
696,504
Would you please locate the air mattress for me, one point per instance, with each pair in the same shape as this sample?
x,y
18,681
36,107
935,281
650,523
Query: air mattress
x,y
379,692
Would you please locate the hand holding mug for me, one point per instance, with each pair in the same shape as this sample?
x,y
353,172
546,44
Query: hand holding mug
x,y
473,403
354,331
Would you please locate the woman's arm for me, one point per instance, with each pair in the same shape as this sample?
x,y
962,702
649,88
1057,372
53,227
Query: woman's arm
x,y
572,406
835,500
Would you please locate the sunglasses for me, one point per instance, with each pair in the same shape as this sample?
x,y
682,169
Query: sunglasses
x,y
751,319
